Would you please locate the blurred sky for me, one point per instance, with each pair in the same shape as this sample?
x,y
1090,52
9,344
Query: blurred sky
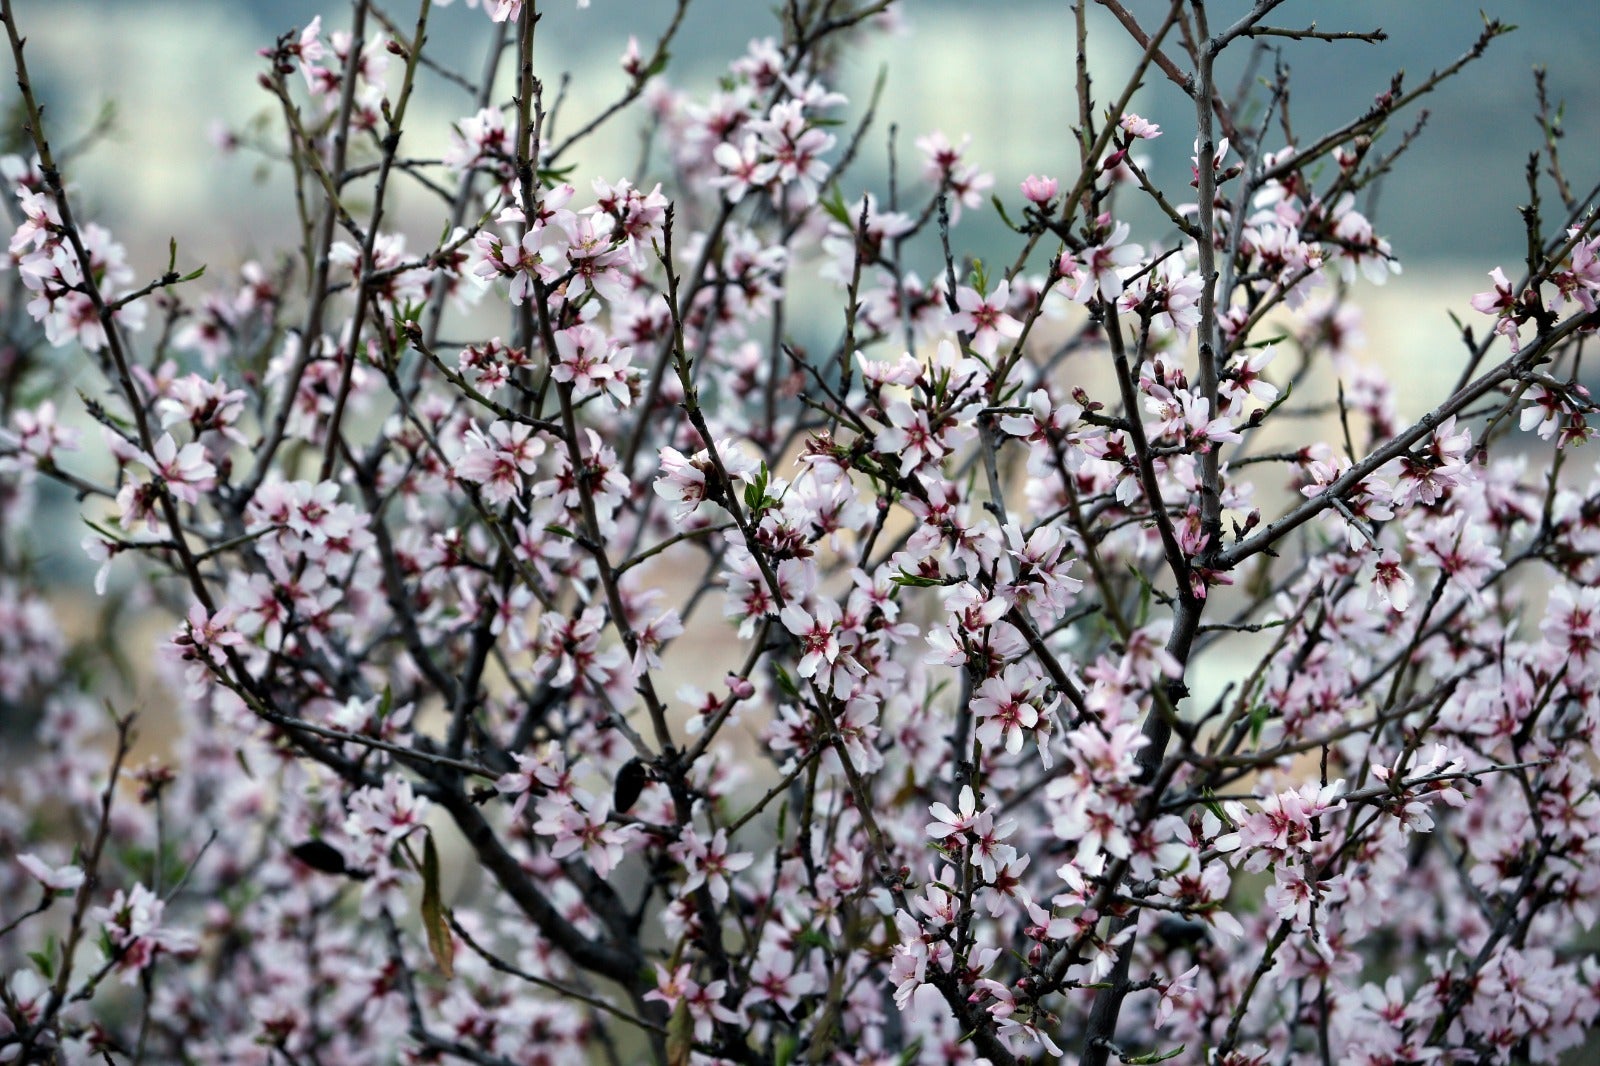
x,y
1000,70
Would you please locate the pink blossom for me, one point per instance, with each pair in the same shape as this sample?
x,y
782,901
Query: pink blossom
x,y
1138,127
1500,299
389,813
1004,706
1099,266
1039,190
1172,992
775,979
945,167
578,823
593,363
133,930
498,460
818,633
709,862
985,318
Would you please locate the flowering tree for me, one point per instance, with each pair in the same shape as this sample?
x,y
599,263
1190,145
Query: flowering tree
x,y
434,521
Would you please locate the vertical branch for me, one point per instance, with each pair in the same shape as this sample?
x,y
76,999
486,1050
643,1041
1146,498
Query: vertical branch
x,y
364,266
1206,251
317,290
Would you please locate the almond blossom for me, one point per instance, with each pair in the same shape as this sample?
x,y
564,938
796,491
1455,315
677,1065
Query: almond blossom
x,y
984,316
701,612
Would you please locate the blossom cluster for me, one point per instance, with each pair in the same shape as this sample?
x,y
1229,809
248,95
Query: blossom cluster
x,y
572,646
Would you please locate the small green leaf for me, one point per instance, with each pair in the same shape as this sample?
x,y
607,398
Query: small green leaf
x,y
1258,718
45,960
1000,208
980,279
813,937
836,209
1155,1056
912,1053
755,493
440,945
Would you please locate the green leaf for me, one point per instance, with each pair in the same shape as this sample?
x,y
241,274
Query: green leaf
x,y
1001,209
45,961
657,65
755,493
1258,718
1155,1056
440,945
786,683
980,279
906,580
787,1045
836,208
814,937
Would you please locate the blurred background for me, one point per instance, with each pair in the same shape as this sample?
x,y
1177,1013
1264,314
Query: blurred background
x,y
173,70
164,77
139,94
147,88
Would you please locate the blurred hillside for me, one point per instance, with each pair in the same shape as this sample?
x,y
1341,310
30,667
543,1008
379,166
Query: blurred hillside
x,y
1002,70
173,71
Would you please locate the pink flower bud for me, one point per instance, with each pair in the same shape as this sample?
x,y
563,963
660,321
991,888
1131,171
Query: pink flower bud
x,y
1041,190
